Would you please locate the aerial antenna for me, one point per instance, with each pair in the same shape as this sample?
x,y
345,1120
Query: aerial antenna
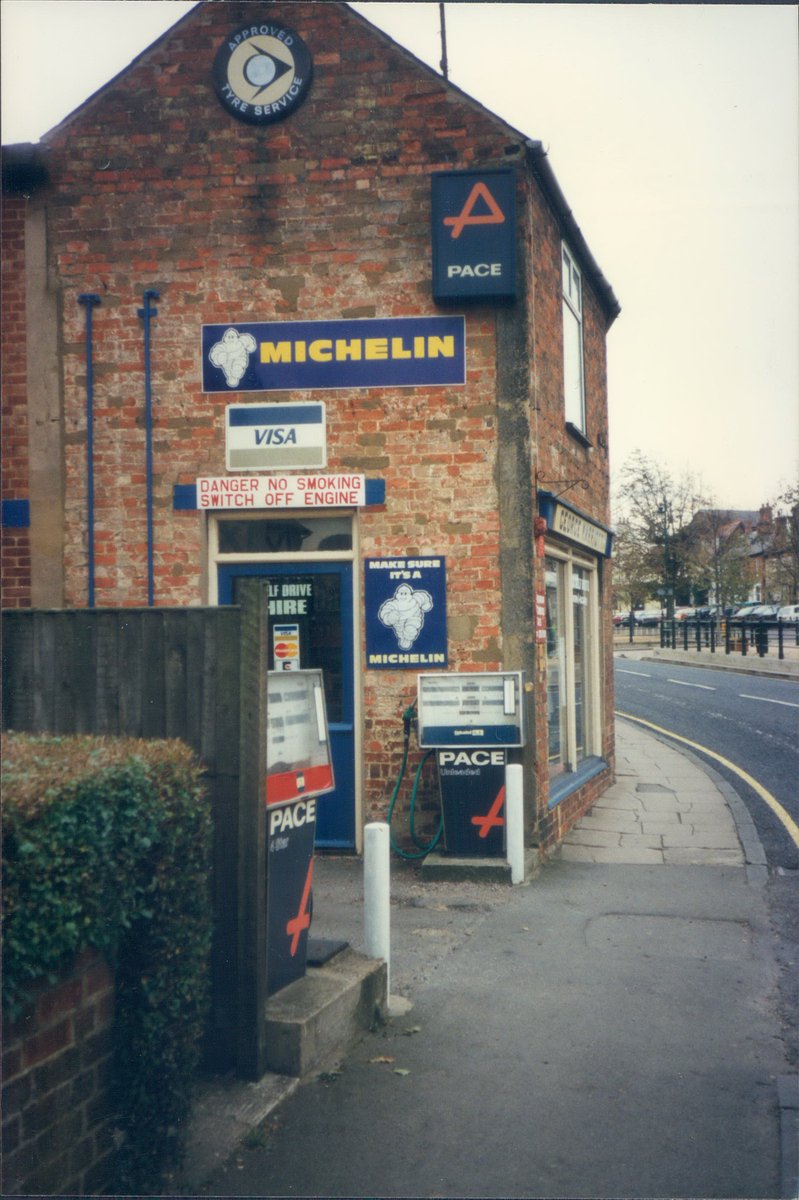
x,y
444,65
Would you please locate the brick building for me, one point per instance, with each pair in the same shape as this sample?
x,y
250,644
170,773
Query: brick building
x,y
279,300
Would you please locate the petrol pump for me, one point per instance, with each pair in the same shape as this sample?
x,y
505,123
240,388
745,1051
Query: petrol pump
x,y
472,721
299,769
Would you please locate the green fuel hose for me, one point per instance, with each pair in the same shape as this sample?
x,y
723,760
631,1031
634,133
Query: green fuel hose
x,y
421,850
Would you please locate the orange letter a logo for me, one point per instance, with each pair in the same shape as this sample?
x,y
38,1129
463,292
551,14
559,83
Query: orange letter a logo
x,y
494,216
302,921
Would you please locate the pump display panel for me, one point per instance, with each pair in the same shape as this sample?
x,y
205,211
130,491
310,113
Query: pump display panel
x,y
484,709
298,755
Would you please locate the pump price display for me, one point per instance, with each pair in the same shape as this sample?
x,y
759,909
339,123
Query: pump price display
x,y
298,755
483,709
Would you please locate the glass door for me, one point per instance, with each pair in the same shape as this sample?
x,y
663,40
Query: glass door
x,y
310,625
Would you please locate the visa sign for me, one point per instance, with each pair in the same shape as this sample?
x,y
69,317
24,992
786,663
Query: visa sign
x,y
270,437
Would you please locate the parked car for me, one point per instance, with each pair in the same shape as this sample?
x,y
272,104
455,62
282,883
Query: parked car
x,y
624,620
789,612
762,612
683,614
744,610
648,616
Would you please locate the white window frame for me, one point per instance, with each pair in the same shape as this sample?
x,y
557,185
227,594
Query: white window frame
x,y
573,360
592,701
216,557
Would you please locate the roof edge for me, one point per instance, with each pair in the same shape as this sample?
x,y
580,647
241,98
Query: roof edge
x,y
542,170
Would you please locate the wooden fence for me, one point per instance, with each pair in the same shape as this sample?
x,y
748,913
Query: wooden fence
x,y
198,674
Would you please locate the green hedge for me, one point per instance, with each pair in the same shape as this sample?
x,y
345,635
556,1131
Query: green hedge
x,y
106,844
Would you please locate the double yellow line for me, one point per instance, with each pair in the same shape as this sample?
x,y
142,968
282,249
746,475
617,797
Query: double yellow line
x,y
784,817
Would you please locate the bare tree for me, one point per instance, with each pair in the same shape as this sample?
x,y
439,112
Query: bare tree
x,y
782,545
658,508
720,555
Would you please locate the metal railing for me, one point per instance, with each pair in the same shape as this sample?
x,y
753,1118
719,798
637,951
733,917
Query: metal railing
x,y
724,635
729,636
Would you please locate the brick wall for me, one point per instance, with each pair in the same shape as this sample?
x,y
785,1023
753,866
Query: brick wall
x,y
567,467
323,216
15,562
56,1077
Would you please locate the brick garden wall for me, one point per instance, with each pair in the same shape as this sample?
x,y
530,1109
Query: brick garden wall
x,y
56,1077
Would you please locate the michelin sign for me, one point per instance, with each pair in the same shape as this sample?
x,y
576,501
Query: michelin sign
x,y
303,355
406,613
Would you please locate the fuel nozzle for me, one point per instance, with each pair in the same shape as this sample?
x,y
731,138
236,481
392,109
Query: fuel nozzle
x,y
408,719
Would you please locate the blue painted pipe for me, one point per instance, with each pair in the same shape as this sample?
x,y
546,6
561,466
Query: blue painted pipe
x,y
89,300
147,313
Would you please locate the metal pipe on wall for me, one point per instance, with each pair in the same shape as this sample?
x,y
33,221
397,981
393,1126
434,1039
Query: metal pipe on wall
x,y
89,300
147,313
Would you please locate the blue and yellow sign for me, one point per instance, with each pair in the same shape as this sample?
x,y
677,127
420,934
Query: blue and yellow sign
x,y
304,355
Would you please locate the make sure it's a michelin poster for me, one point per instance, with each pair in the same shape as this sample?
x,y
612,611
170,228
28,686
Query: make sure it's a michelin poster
x,y
406,613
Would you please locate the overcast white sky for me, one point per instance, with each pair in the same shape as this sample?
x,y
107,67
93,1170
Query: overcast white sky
x,y
674,133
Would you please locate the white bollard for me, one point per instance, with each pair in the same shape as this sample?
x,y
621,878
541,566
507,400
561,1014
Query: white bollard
x,y
514,820
377,894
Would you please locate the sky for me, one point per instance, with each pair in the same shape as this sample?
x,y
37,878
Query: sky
x,y
673,131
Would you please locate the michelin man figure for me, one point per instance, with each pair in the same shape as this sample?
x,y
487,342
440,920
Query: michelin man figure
x,y
232,354
404,613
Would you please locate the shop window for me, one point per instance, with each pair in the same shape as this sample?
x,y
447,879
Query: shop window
x,y
572,664
573,374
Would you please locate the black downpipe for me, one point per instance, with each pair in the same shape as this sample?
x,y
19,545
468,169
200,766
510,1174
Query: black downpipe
x,y
89,300
147,313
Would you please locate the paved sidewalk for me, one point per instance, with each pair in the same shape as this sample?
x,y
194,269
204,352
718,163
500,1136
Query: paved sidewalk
x,y
611,1028
662,809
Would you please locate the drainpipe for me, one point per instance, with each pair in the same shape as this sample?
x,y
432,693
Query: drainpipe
x,y
147,313
89,300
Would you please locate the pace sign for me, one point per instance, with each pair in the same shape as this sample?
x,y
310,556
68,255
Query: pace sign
x,y
474,235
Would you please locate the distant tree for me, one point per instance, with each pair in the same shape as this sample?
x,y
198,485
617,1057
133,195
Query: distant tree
x,y
657,509
781,543
720,556
632,569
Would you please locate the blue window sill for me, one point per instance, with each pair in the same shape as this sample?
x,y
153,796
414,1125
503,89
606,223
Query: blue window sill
x,y
564,785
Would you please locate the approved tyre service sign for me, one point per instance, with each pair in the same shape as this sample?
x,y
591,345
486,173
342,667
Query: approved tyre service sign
x,y
262,73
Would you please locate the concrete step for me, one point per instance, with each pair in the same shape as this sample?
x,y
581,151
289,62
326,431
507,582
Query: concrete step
x,y
318,1016
454,868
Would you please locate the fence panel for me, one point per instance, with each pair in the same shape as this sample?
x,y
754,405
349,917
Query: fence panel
x,y
159,673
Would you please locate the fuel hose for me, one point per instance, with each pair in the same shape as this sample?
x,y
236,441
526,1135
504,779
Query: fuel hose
x,y
421,849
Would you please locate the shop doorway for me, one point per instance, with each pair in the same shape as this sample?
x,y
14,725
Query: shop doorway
x,y
311,625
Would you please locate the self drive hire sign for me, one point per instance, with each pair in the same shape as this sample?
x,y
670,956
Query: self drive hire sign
x,y
474,235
